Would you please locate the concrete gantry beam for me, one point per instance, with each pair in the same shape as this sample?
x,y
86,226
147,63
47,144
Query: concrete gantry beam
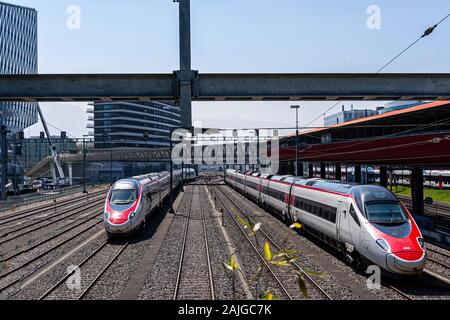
x,y
334,86
228,87
86,87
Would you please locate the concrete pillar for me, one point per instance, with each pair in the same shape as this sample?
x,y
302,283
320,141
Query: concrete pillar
x,y
300,169
185,63
358,175
70,170
338,172
383,176
417,191
323,171
310,170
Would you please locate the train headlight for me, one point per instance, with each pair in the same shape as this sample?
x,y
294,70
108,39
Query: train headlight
x,y
131,216
383,245
421,242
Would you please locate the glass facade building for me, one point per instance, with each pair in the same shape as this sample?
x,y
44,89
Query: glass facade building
x,y
18,55
132,124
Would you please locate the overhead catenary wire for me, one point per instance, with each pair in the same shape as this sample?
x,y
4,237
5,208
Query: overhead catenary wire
x,y
426,33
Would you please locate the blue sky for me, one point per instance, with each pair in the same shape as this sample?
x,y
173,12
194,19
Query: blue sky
x,y
237,36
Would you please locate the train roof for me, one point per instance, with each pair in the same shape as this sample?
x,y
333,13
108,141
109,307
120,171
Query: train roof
x,y
151,176
336,186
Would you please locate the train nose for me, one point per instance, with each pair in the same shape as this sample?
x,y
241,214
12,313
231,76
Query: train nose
x,y
125,227
406,262
117,222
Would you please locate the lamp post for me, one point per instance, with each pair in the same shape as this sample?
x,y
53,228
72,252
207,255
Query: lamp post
x,y
171,210
108,139
171,130
4,151
147,138
297,164
84,163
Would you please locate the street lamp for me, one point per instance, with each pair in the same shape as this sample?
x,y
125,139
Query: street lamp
x,y
84,163
147,138
297,164
108,138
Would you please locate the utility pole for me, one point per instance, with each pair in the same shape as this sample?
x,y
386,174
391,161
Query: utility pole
x,y
110,160
4,149
147,138
107,139
297,164
257,151
14,164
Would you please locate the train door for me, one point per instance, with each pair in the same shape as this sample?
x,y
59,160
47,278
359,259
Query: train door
x,y
159,192
343,223
291,203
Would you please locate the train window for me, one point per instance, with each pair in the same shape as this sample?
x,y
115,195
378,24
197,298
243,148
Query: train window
x,y
354,215
385,212
123,196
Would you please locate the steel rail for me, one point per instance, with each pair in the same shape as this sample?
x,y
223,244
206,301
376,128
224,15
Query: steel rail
x,y
438,252
311,280
438,263
57,284
26,263
13,255
76,209
208,258
47,207
272,273
183,248
93,282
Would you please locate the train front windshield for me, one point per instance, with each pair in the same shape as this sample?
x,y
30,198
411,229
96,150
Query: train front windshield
x,y
385,212
123,196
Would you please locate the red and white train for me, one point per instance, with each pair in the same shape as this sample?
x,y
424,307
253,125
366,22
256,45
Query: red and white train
x,y
366,222
130,202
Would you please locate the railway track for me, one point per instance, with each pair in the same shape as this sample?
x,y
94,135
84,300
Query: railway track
x,y
442,254
72,225
401,293
276,245
95,277
47,207
433,209
36,258
50,220
194,263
